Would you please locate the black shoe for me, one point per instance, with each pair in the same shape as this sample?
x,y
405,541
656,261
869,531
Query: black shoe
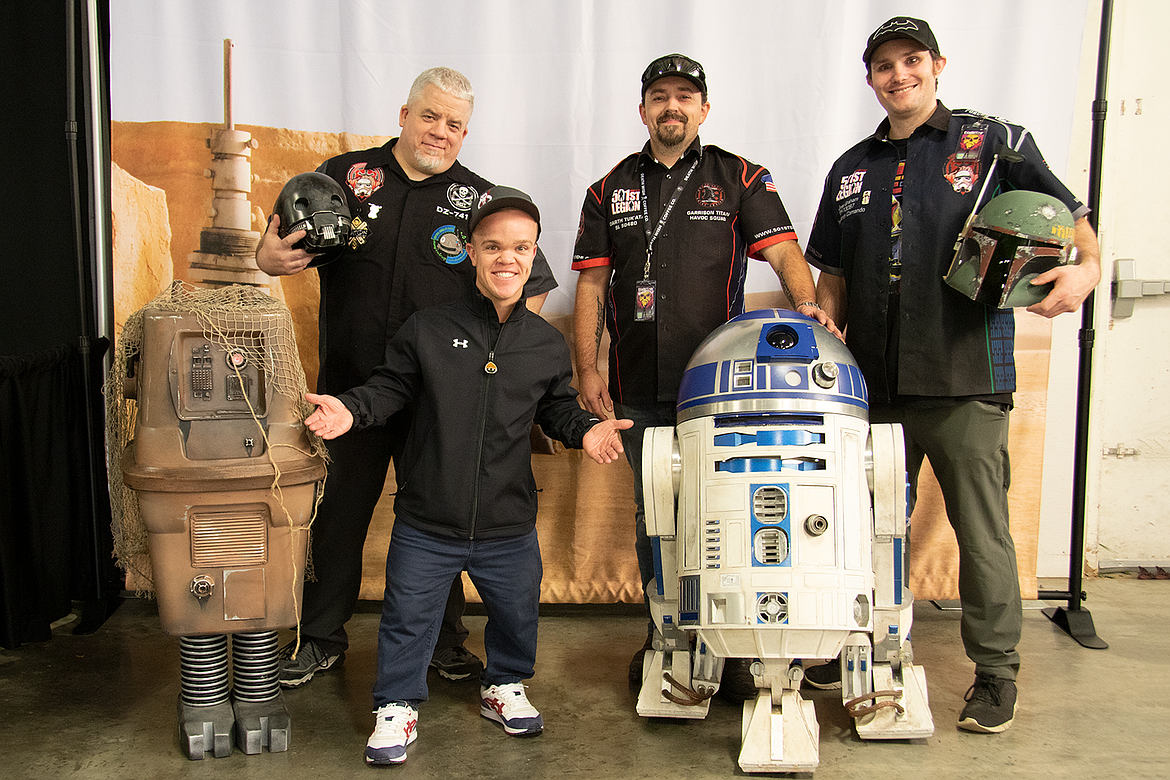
x,y
637,661
295,672
737,682
991,705
826,677
456,663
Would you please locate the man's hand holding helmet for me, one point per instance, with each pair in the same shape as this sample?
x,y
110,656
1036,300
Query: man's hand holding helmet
x,y
309,226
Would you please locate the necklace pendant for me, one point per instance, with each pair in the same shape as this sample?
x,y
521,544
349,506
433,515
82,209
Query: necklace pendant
x,y
490,368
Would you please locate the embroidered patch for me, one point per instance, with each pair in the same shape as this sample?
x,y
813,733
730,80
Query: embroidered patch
x,y
359,231
624,202
851,184
449,244
364,181
461,196
962,175
709,195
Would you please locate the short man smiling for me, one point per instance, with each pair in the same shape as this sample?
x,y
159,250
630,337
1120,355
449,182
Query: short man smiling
x,y
480,370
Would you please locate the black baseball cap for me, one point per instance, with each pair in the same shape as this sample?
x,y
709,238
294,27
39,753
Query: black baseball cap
x,y
500,197
900,27
674,65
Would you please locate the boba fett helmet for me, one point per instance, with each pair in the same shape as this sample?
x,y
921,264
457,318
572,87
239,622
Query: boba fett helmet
x,y
315,203
1013,239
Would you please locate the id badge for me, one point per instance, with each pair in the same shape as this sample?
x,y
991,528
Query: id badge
x,y
644,301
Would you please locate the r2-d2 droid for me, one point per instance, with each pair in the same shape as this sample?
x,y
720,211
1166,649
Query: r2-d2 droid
x,y
777,515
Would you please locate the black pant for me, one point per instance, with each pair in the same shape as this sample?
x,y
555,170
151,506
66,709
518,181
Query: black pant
x,y
359,461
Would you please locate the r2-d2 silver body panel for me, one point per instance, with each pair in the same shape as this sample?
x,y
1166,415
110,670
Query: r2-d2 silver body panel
x,y
778,523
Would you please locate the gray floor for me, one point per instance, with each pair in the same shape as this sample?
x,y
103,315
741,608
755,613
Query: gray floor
x,y
103,705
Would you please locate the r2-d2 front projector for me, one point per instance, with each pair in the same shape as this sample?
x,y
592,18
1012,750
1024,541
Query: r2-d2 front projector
x,y
777,515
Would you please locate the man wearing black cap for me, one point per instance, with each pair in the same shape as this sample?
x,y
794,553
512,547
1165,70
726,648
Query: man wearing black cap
x,y
662,253
480,370
934,360
410,199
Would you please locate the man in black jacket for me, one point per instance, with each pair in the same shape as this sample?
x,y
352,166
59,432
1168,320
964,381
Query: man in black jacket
x,y
479,371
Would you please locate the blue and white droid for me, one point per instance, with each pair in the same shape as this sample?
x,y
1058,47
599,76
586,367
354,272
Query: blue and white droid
x,y
777,516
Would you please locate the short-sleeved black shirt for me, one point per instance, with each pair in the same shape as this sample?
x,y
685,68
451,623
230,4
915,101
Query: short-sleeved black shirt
x,y
950,346
728,211
407,252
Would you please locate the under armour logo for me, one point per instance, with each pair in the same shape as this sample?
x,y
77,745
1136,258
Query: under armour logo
x,y
459,343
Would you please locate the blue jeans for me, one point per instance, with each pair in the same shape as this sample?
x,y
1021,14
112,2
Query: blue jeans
x,y
644,416
419,570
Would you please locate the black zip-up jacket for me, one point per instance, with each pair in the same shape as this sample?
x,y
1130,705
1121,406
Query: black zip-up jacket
x,y
468,462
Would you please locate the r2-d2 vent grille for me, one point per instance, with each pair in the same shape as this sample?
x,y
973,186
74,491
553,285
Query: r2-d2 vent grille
x,y
770,504
770,546
771,608
220,539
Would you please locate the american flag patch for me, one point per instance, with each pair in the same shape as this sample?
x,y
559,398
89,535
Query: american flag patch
x,y
769,185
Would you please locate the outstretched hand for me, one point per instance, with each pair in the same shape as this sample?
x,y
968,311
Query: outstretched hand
x,y
331,418
603,442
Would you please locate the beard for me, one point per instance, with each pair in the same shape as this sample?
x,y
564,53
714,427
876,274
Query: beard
x,y
671,135
426,163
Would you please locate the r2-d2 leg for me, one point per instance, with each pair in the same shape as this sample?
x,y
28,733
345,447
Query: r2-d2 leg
x,y
678,679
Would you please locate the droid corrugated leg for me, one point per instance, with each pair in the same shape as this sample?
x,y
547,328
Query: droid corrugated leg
x,y
778,521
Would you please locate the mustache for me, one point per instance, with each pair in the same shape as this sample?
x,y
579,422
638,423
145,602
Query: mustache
x,y
667,116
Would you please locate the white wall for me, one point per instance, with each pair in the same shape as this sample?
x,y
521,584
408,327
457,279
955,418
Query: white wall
x,y
1127,502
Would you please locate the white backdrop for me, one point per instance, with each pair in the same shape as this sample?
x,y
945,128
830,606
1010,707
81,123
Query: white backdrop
x,y
557,81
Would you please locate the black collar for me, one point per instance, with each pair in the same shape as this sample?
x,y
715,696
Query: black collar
x,y
647,156
939,120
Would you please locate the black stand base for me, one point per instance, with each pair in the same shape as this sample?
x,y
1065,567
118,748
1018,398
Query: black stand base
x,y
1078,624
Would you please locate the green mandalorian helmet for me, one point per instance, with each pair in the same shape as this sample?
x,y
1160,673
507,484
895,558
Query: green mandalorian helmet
x,y
1013,239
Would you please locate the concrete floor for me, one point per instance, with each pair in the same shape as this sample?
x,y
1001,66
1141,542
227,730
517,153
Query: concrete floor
x,y
103,705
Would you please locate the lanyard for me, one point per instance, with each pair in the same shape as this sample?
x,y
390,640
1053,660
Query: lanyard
x,y
652,237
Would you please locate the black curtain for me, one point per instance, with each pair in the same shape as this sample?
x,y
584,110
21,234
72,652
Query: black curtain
x,y
54,506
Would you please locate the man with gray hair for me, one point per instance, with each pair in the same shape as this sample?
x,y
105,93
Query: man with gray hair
x,y
409,200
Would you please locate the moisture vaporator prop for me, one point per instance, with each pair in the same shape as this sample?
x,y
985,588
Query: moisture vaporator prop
x,y
777,516
1013,239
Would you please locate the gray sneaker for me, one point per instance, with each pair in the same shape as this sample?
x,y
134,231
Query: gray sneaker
x,y
310,659
991,705
456,663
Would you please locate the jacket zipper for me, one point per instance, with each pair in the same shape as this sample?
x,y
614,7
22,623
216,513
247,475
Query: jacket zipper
x,y
489,370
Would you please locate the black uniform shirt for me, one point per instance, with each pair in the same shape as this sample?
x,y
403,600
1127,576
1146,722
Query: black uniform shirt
x,y
407,252
728,211
950,346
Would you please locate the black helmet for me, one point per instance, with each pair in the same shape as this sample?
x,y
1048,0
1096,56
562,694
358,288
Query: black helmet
x,y
315,203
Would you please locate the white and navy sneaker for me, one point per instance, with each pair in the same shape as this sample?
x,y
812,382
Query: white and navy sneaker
x,y
395,727
509,706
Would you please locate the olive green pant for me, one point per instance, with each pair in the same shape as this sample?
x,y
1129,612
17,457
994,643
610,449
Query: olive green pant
x,y
966,443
